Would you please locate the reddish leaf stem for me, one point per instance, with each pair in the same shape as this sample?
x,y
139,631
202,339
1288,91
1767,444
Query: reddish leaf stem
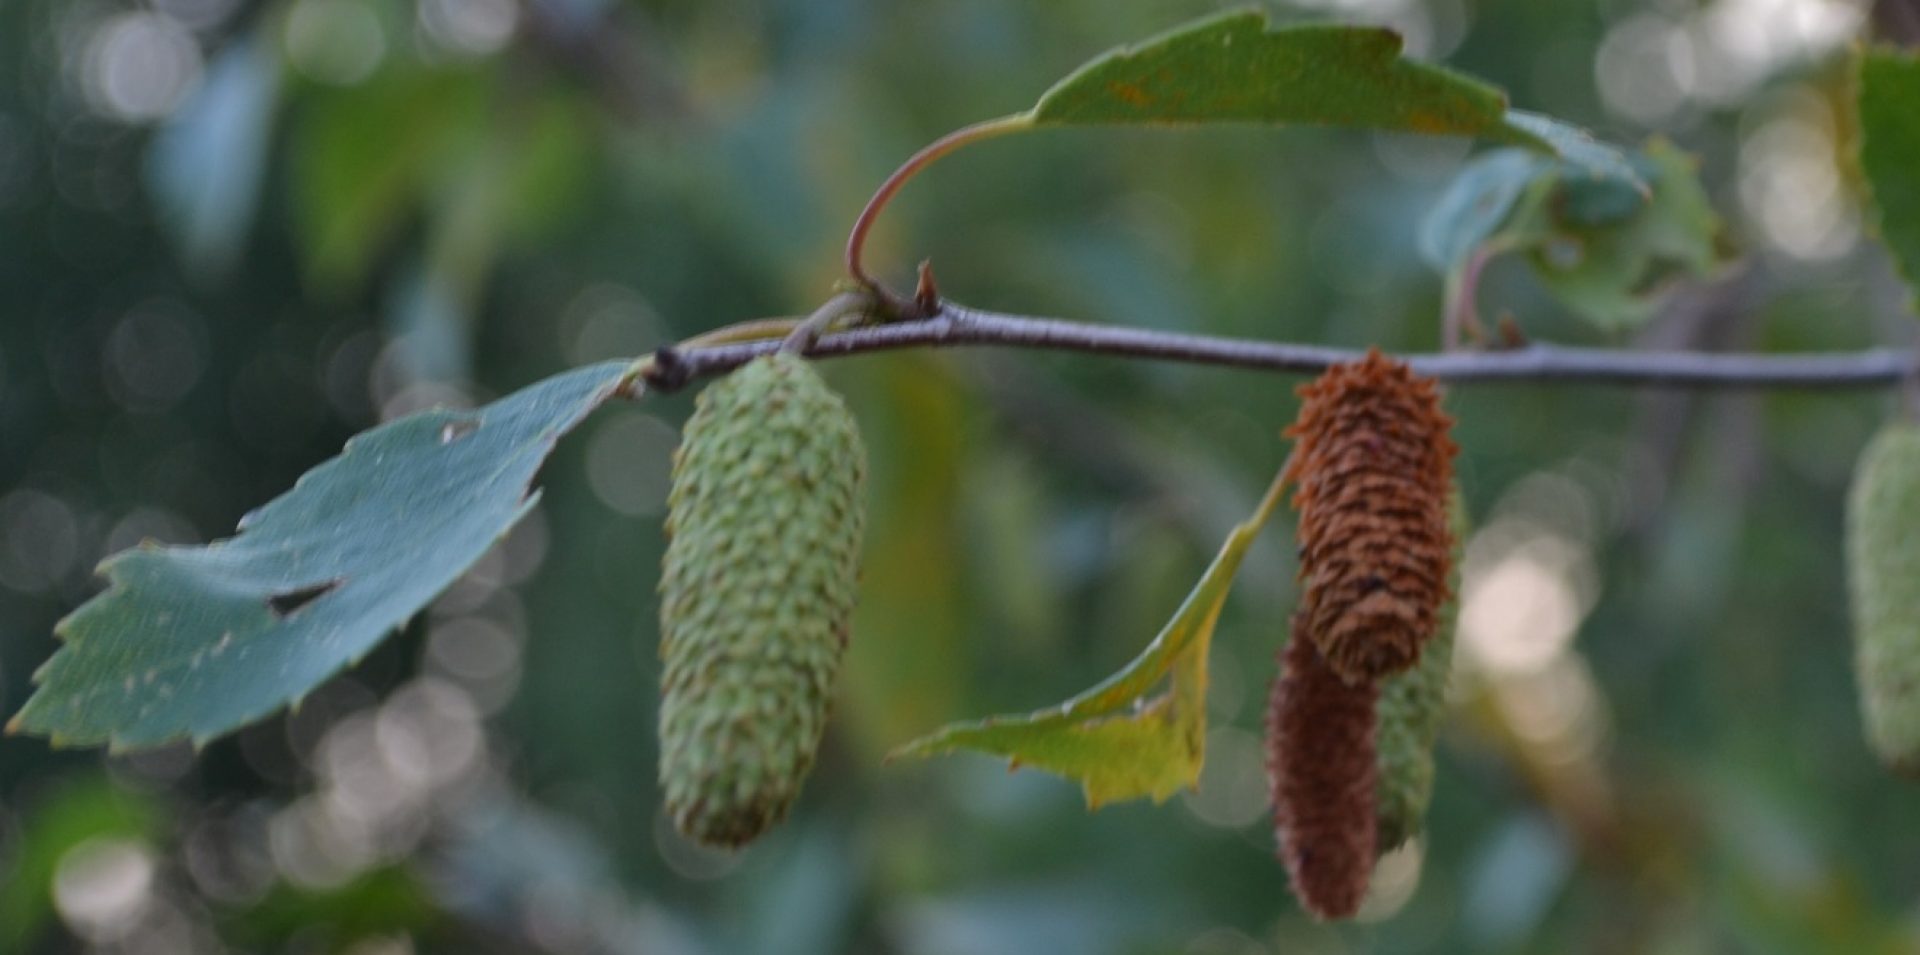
x,y
857,239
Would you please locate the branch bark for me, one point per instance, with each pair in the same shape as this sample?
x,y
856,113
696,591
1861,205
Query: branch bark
x,y
956,325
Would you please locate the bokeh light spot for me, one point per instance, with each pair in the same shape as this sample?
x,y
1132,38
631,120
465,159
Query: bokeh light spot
x,y
140,66
103,885
630,463
474,27
340,42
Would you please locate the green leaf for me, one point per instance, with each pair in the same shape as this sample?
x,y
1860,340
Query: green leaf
x,y
1889,84
1604,244
1599,202
197,641
1234,67
1112,740
1613,269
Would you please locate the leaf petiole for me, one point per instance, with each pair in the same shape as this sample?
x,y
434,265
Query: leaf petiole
x,y
857,238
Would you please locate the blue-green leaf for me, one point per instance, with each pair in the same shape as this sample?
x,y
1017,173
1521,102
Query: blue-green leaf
x,y
1576,146
1476,204
194,642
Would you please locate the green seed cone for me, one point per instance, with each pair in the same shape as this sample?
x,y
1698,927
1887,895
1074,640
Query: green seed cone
x,y
757,590
1412,705
1883,572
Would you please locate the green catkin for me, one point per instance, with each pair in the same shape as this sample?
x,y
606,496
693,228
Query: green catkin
x,y
1883,573
757,591
1413,703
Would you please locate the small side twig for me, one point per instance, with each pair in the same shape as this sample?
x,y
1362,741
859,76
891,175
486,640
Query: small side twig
x,y
809,330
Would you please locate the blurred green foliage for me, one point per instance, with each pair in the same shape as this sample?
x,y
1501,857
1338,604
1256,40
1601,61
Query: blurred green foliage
x,y
232,234
1889,91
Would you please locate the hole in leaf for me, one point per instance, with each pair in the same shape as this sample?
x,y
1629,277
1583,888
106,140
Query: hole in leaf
x,y
455,430
285,603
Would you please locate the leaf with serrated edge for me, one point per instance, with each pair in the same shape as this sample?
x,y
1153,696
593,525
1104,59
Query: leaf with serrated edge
x,y
195,642
1236,68
1110,739
1233,68
1889,102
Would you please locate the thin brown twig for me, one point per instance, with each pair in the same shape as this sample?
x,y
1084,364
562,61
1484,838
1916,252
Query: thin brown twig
x,y
956,325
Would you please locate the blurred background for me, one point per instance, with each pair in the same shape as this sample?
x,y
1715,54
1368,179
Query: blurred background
x,y
233,233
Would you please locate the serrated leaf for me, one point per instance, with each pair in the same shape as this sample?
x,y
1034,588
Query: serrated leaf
x,y
1233,68
1604,245
1889,85
195,642
1236,68
1111,739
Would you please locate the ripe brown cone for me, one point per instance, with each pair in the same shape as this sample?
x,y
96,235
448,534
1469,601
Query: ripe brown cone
x,y
1320,765
1371,466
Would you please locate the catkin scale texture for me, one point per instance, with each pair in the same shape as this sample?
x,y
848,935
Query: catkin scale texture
x,y
1321,770
1371,466
1883,575
757,591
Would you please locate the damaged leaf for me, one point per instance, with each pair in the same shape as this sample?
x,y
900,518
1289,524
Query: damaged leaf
x,y
194,642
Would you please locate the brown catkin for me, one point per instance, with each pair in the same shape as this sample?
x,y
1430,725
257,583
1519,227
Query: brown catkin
x,y
1371,466
1320,764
